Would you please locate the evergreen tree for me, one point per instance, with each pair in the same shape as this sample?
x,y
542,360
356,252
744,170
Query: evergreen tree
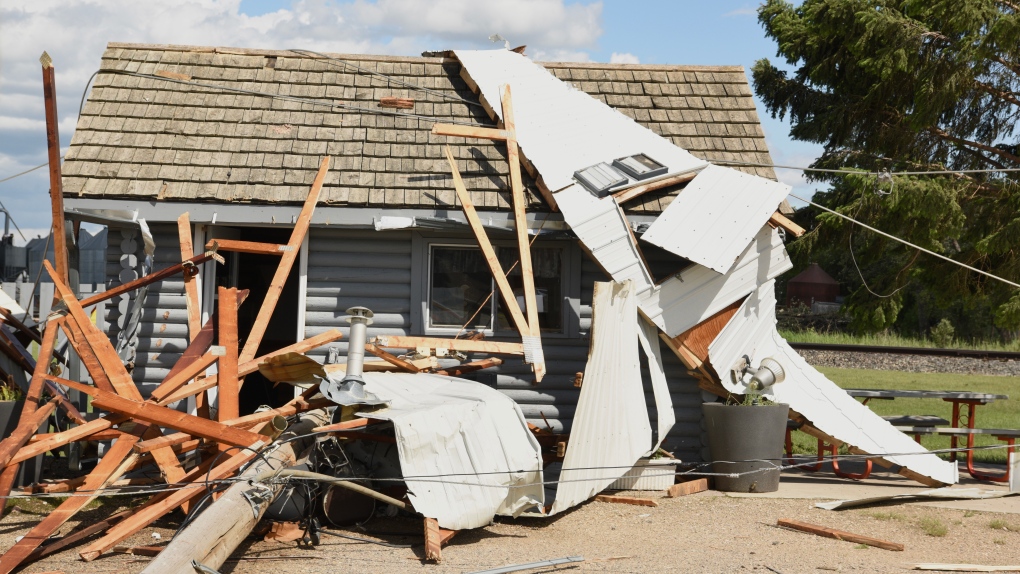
x,y
908,85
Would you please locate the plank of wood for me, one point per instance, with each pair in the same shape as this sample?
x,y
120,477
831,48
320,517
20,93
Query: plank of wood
x,y
521,227
190,284
626,500
138,550
687,488
251,366
56,440
7,477
398,103
53,155
459,131
27,426
149,279
391,359
113,464
179,379
42,367
433,543
464,345
838,534
253,247
226,378
297,237
779,220
626,195
697,339
161,505
509,300
345,425
471,367
77,341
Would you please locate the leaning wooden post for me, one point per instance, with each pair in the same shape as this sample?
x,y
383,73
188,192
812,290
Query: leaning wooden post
x,y
227,380
56,184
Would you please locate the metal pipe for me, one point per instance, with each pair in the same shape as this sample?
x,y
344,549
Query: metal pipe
x,y
359,318
342,482
532,565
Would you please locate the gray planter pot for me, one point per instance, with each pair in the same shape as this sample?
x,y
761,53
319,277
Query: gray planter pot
x,y
746,433
31,470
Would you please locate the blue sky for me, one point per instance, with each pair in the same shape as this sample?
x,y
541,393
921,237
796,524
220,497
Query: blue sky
x,y
652,32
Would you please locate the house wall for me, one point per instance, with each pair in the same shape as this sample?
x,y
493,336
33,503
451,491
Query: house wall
x,y
378,270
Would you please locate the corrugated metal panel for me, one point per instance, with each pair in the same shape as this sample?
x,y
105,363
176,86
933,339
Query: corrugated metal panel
x,y
560,128
752,331
469,445
697,293
611,427
605,232
650,345
716,216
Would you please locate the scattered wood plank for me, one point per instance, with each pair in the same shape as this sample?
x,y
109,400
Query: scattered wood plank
x,y
471,367
391,358
463,345
52,441
784,222
190,285
227,378
433,541
626,500
175,381
182,267
455,130
838,534
53,155
637,191
253,247
397,103
687,488
138,550
297,237
7,477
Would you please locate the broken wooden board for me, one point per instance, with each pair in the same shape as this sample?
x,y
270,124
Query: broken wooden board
x,y
687,488
633,500
462,345
839,534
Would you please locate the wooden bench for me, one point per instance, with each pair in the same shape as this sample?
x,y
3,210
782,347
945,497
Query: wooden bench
x,y
1007,436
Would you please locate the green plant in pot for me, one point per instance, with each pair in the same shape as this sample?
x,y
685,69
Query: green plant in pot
x,y
745,437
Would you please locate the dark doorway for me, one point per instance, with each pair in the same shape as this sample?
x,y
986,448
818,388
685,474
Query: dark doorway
x,y
255,273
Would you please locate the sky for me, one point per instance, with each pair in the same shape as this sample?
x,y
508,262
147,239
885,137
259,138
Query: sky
x,y
75,33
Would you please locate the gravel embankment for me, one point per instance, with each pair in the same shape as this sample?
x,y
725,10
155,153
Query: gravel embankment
x,y
912,363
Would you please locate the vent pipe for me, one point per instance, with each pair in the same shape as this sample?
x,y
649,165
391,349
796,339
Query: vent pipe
x,y
351,389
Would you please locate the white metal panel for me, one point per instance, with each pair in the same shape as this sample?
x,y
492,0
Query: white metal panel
x,y
611,427
716,216
560,128
603,229
665,417
752,332
467,446
697,293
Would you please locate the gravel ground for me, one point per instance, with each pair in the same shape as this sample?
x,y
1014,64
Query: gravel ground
x,y
700,533
912,363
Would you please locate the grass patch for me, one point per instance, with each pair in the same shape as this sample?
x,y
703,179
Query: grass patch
x,y
933,526
1000,414
862,547
886,515
1000,524
890,340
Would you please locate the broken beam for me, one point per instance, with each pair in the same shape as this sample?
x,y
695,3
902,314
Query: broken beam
x,y
471,367
252,247
780,220
189,266
838,534
454,130
626,500
463,345
638,191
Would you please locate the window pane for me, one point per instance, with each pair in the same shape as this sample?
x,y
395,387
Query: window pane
x,y
460,284
547,265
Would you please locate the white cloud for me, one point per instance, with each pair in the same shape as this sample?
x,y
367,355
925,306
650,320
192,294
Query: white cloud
x,y
76,33
624,58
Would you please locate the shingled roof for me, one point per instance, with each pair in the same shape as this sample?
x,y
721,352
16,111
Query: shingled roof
x,y
181,123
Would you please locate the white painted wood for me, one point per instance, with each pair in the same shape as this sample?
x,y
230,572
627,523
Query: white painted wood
x,y
714,218
611,428
560,128
302,288
697,293
752,332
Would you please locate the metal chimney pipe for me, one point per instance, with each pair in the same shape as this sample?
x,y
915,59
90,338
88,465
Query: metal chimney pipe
x,y
359,318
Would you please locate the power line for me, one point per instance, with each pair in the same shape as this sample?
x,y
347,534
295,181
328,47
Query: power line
x,y
874,173
27,171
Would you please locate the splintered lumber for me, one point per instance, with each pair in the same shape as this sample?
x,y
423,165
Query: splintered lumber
x,y
463,345
163,503
456,130
186,267
687,488
190,285
42,368
297,237
216,533
53,154
626,500
26,428
838,534
471,367
433,540
251,366
395,102
253,247
110,468
59,439
534,335
780,220
227,366
639,190
468,206
392,359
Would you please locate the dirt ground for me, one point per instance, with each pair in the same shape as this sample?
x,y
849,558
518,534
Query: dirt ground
x,y
705,532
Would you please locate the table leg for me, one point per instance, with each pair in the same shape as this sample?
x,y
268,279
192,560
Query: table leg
x,y
1004,477
956,424
850,475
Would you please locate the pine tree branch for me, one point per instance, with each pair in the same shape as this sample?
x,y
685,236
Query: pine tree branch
x,y
1012,6
1001,94
938,132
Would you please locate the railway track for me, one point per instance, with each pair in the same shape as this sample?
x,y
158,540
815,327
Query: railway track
x,y
967,353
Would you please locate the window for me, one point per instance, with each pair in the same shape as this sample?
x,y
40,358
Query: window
x,y
463,294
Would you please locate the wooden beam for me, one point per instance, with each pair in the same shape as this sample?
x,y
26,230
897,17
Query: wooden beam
x,y
180,378
395,102
226,378
838,534
637,191
626,500
42,368
109,469
459,131
509,300
523,245
433,541
190,285
463,345
189,266
687,488
297,237
59,439
255,248
780,220
7,477
27,426
53,154
391,359
697,339
471,367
